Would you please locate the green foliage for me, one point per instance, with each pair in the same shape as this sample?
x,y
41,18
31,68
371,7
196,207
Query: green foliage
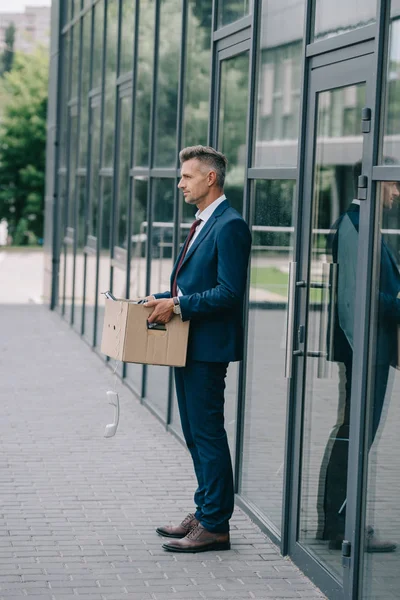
x,y
22,146
7,57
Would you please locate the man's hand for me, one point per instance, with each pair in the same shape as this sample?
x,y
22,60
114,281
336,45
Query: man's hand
x,y
163,310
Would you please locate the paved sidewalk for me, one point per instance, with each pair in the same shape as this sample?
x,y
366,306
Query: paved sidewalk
x,y
78,511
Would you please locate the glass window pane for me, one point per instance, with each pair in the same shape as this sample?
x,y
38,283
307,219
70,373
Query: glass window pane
x,y
138,261
232,124
381,578
330,327
94,170
197,86
231,10
128,18
161,268
334,18
104,257
98,35
391,113
144,83
111,76
64,99
85,85
75,59
279,82
121,213
79,258
112,41
165,154
264,431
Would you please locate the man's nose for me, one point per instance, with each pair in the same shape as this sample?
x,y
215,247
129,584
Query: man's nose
x,y
180,184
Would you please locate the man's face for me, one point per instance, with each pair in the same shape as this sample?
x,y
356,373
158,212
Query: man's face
x,y
390,192
194,181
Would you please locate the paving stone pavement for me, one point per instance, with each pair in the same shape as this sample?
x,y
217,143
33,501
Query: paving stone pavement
x,y
78,511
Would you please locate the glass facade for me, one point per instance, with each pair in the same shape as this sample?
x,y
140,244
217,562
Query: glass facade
x,y
311,411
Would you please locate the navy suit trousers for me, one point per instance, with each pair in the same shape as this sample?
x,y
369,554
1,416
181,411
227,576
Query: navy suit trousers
x,y
200,390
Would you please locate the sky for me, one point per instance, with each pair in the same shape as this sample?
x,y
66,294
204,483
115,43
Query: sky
x,y
19,5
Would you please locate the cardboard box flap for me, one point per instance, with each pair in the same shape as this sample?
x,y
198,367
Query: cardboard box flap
x,y
114,329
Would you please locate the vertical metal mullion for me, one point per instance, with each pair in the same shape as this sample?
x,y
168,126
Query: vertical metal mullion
x,y
150,193
293,420
242,376
100,182
131,186
177,214
67,158
79,24
214,74
88,167
56,245
116,152
358,450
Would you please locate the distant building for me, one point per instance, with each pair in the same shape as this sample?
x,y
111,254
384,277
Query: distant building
x,y
32,28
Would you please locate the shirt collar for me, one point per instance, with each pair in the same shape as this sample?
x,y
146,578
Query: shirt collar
x,y
356,201
207,212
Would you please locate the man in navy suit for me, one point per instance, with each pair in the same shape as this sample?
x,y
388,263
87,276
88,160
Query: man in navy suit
x,y
208,284
344,244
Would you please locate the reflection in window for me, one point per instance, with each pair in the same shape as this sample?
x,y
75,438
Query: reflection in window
x,y
97,43
121,213
104,256
144,83
230,10
85,83
391,126
64,98
277,120
94,170
342,16
232,124
197,85
382,525
127,35
167,83
161,268
264,437
139,238
138,262
111,69
75,59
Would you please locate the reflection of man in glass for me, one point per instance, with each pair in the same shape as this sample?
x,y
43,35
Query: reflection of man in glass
x,y
333,477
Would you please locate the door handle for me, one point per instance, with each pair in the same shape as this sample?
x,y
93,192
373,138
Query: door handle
x,y
290,320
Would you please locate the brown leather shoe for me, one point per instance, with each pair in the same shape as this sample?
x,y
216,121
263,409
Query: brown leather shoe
x,y
178,531
200,540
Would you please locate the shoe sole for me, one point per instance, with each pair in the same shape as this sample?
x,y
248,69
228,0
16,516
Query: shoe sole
x,y
217,546
170,535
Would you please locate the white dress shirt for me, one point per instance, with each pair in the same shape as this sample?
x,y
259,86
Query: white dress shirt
x,y
204,215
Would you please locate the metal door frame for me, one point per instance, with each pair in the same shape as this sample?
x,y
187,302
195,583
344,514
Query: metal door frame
x,y
337,69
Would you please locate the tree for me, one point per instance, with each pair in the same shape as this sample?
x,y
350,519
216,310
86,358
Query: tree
x,y
7,57
22,146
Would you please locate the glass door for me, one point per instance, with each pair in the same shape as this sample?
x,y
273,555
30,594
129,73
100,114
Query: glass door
x,y
324,288
230,138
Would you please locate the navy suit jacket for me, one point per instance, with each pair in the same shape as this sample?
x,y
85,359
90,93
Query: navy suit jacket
x,y
212,280
389,304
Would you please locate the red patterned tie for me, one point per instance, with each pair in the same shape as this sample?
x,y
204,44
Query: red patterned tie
x,y
185,249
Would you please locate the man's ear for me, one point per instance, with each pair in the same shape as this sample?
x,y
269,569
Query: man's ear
x,y
212,178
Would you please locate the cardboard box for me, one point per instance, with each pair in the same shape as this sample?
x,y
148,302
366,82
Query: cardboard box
x,y
126,336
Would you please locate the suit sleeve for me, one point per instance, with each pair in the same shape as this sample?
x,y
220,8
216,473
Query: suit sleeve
x,y
233,248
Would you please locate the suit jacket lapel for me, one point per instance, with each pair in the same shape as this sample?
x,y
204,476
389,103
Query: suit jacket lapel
x,y
206,229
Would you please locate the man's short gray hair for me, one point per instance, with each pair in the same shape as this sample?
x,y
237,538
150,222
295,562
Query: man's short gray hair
x,y
209,156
